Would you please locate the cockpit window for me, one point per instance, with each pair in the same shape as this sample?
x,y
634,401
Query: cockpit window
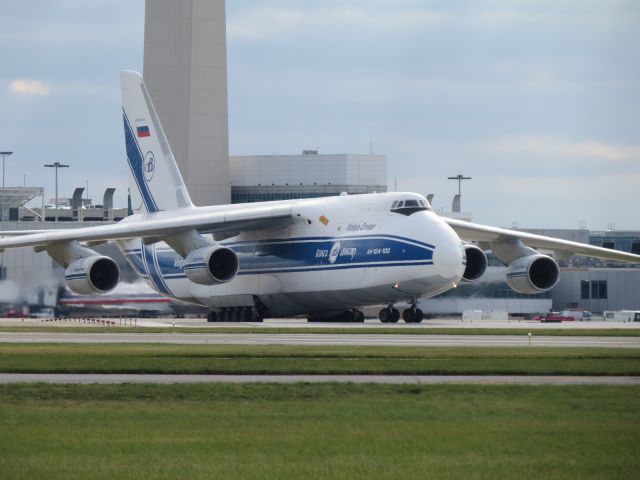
x,y
408,207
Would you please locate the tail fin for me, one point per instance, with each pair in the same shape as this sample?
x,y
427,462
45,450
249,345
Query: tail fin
x,y
156,183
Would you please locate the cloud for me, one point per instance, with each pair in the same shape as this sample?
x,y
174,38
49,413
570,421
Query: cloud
x,y
262,22
552,147
37,88
29,88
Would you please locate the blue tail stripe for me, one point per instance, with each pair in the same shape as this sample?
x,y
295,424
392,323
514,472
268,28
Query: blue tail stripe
x,y
136,162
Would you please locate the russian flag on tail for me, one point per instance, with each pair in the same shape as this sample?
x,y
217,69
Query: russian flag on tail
x,y
142,128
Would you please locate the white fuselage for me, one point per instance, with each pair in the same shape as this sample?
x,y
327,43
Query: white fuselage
x,y
339,253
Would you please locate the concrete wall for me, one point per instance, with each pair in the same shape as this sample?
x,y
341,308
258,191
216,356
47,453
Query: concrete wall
x,y
185,69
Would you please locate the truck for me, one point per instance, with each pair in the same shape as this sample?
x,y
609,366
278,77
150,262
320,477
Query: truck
x,y
576,315
621,315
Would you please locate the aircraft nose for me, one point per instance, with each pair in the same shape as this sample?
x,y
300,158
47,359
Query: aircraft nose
x,y
448,256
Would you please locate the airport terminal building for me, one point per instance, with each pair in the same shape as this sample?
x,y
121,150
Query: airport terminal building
x,y
262,178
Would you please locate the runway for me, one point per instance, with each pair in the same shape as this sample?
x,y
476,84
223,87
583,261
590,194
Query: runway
x,y
522,340
118,379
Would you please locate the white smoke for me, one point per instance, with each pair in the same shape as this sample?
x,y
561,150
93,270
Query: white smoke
x,y
136,288
9,292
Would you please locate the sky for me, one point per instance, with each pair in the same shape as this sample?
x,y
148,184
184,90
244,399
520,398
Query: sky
x,y
537,101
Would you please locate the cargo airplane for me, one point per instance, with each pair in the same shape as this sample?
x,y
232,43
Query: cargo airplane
x,y
323,258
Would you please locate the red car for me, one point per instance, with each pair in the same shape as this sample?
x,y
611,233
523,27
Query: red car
x,y
553,317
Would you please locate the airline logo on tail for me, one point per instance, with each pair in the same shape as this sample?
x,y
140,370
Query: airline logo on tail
x,y
149,166
142,166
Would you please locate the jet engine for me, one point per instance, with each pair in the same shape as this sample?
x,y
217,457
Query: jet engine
x,y
533,274
211,265
476,263
93,274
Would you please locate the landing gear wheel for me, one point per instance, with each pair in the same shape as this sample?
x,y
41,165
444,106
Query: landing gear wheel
x,y
395,315
358,316
408,315
386,315
413,315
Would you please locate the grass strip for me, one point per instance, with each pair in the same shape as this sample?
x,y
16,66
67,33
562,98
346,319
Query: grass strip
x,y
321,431
390,330
281,359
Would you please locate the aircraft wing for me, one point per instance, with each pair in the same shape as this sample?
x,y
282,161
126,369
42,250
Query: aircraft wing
x,y
17,233
483,233
163,225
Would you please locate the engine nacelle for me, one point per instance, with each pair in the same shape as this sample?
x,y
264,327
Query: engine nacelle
x,y
94,274
476,263
211,265
533,274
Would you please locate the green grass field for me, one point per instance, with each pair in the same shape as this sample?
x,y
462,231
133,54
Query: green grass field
x,y
547,330
321,431
277,359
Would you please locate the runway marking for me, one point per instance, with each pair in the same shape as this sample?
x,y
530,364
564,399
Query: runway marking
x,y
323,339
118,379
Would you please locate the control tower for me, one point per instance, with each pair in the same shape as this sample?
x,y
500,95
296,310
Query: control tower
x,y
185,70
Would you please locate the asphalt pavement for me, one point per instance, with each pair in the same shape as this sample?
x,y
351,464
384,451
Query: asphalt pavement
x,y
522,340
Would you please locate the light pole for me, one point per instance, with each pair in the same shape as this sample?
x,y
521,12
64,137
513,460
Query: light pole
x,y
56,165
4,155
459,178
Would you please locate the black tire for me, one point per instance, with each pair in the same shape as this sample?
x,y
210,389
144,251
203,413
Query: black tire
x,y
408,315
395,315
385,315
419,316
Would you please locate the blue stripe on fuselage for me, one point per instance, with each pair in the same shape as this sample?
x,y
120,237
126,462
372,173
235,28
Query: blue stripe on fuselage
x,y
155,274
310,254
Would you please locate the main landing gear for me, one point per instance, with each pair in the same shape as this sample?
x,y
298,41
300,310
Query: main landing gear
x,y
392,315
389,315
412,315
234,314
